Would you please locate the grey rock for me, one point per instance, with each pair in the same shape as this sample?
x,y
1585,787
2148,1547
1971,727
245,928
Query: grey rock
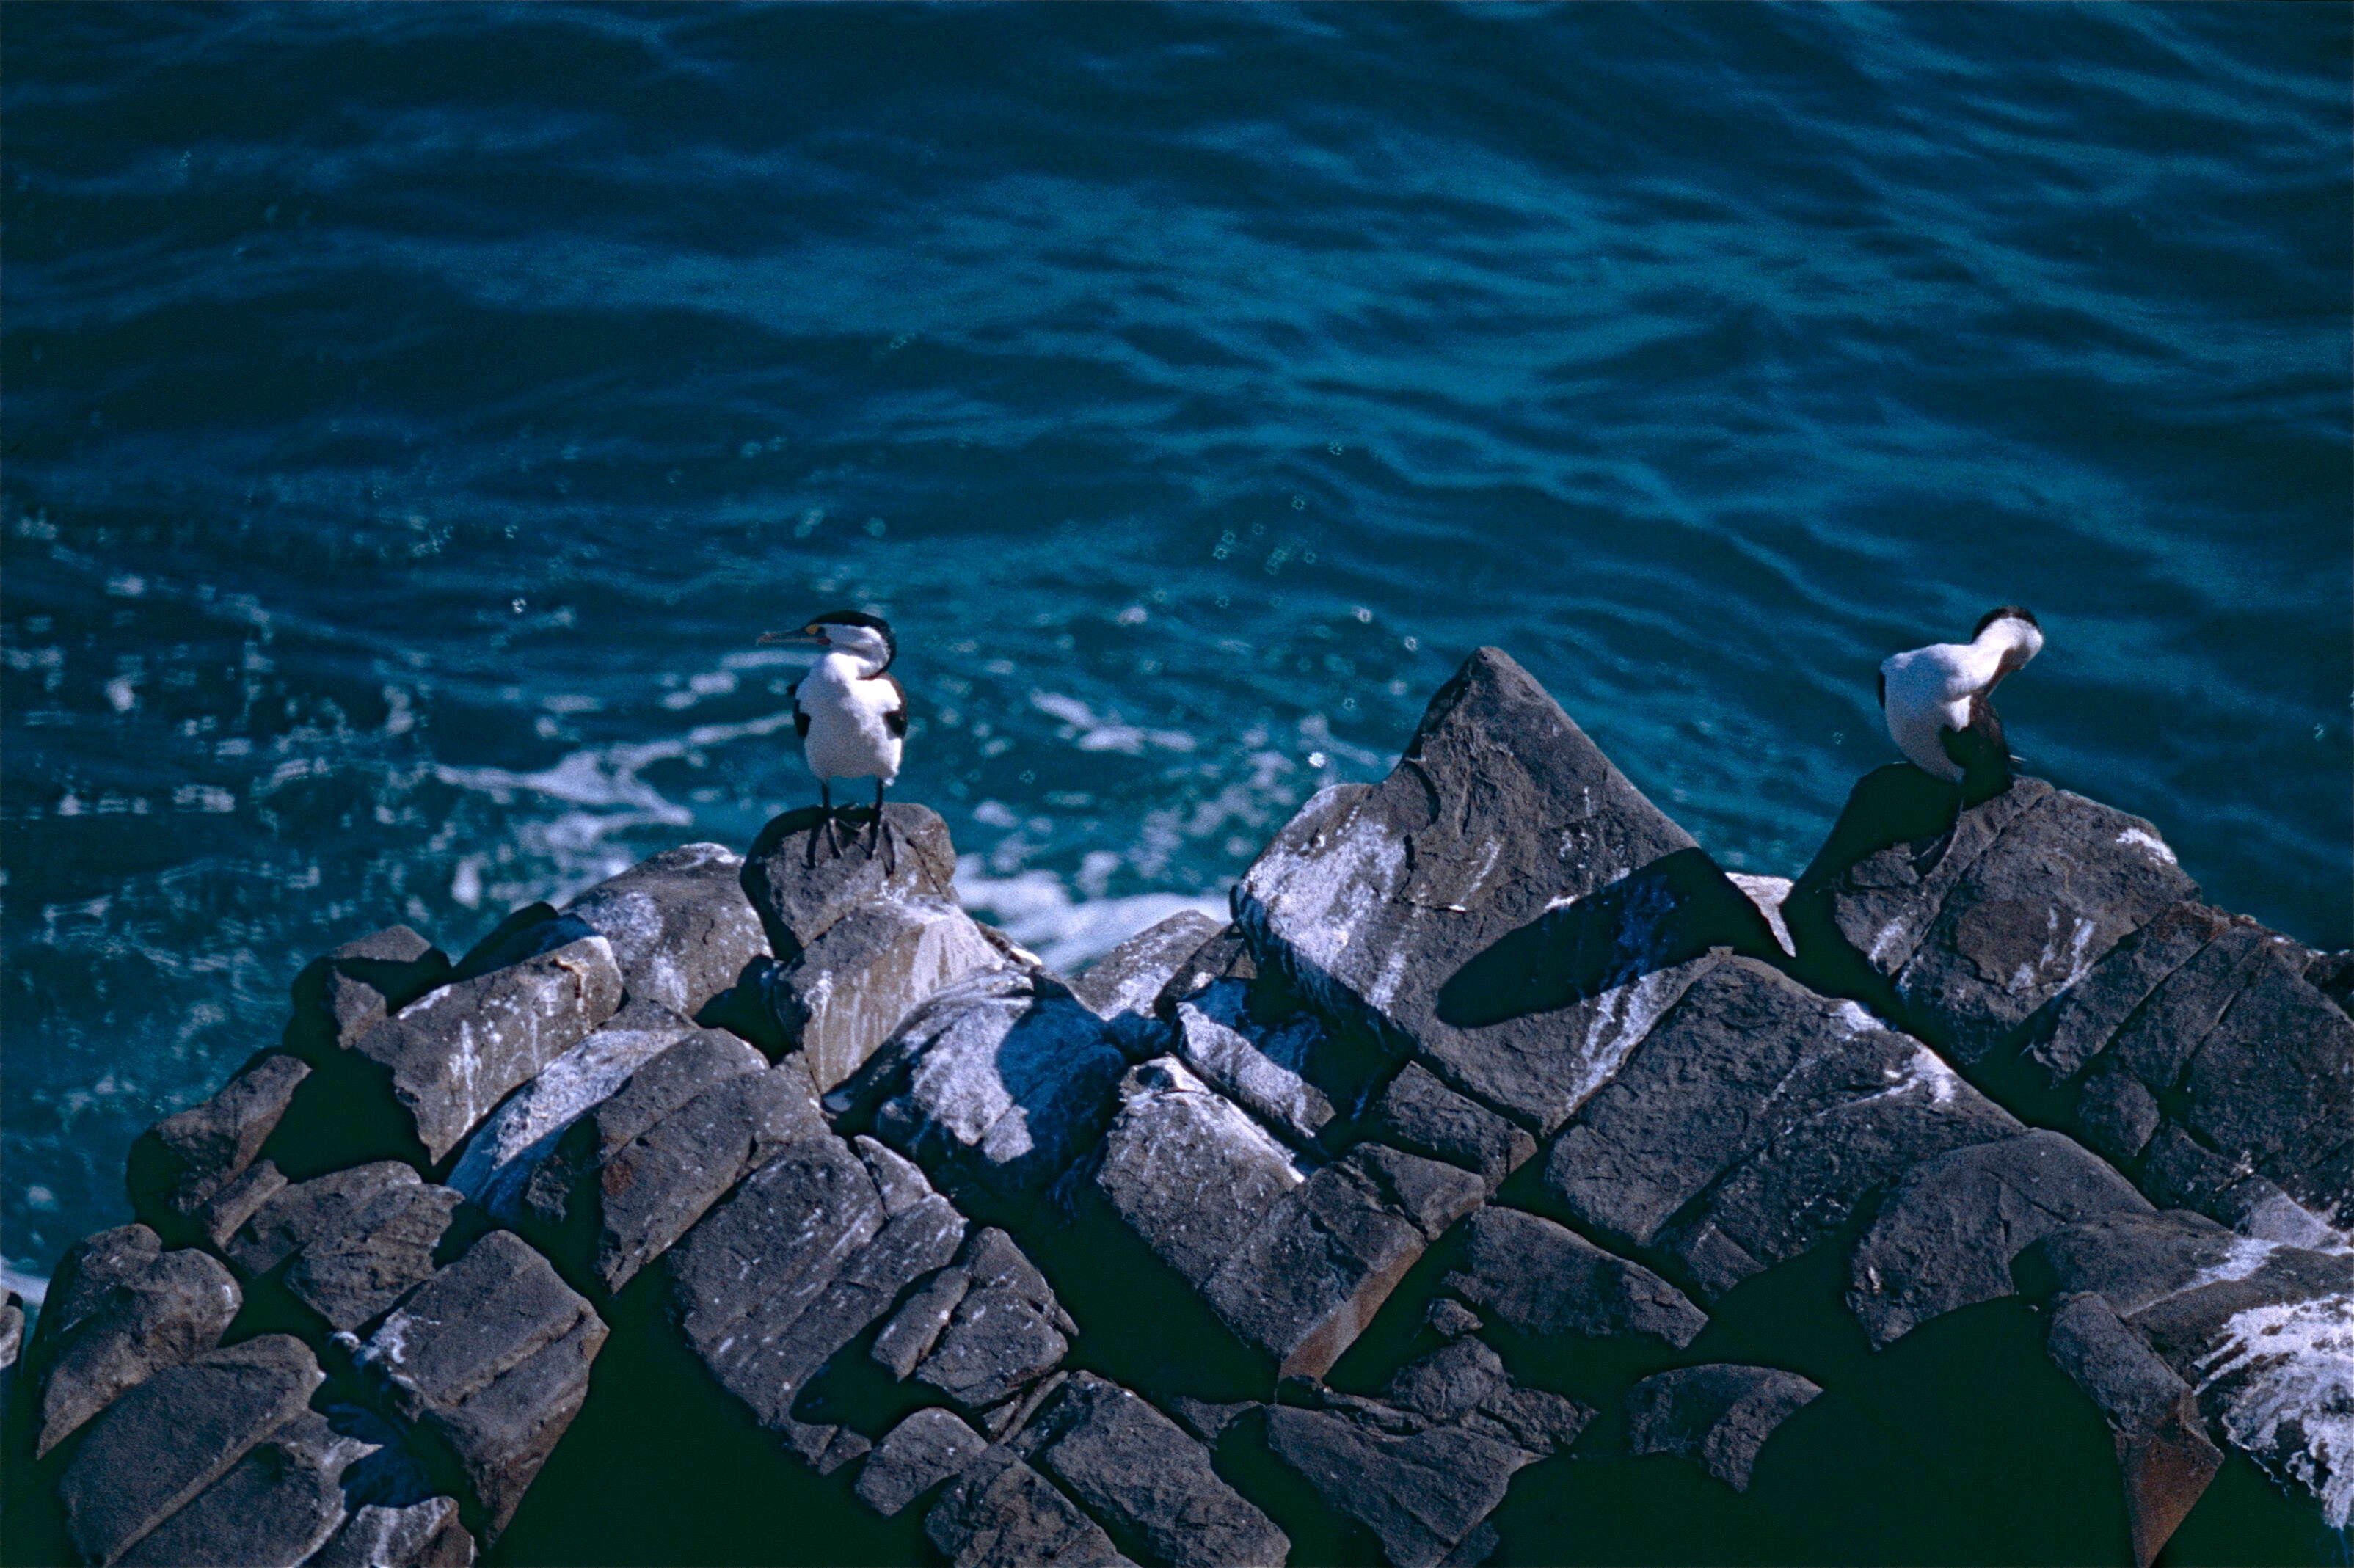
x,y
1719,1416
768,1356
505,1153
1224,955
799,888
1185,1169
422,1535
2054,893
1417,1113
1208,1419
1531,1418
1542,1281
1430,1194
681,927
1421,1496
453,1055
488,1362
522,934
179,1164
1745,1054
922,1451
1817,1172
1505,903
1946,1232
994,1086
908,1337
1130,979
1003,1420
1295,1076
120,1309
2163,1454
1448,1383
1148,1482
2133,1260
342,996
2159,1041
2116,1112
782,1237
161,1443
2113,1365
351,1243
697,1062
2181,1172
846,993
2079,1023
1767,893
273,1508
2273,1083
1000,1513
651,1190
12,1329
1309,1275
899,1181
1449,1319
996,1341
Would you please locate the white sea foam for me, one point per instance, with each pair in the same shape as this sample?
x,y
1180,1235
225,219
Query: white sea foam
x,y
1036,910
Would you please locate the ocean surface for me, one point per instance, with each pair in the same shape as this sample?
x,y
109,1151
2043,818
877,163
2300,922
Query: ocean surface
x,y
410,417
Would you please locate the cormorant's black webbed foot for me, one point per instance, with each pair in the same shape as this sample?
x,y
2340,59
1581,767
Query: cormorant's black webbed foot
x,y
833,838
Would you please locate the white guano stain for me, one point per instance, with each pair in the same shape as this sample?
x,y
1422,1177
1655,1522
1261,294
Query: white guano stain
x,y
2149,844
2288,1376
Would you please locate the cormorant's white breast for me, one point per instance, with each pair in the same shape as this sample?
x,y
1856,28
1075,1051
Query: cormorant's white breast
x,y
1938,700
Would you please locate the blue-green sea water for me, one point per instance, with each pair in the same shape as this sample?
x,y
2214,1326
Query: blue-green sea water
x,y
409,417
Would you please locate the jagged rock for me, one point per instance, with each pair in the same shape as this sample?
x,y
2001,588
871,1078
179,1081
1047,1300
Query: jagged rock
x,y
653,1188
179,1164
422,1535
351,1243
120,1309
994,1086
2053,894
840,999
1945,1234
2178,1172
342,996
1430,1194
1417,1113
1224,955
2116,1112
799,887
165,1441
911,1332
226,1214
2077,1025
1719,1416
1808,1180
1000,1513
505,1153
2274,1082
918,1454
1146,1481
455,1053
2164,1457
995,1342
1448,1383
1272,1073
12,1329
1421,1496
1542,1281
1505,903
1449,1319
1743,1057
1130,977
1185,1169
488,1363
2157,1042
800,1260
1309,1275
273,1508
681,926
2264,1331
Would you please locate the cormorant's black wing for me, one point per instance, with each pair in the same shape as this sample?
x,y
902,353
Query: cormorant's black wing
x,y
801,717
1977,749
895,717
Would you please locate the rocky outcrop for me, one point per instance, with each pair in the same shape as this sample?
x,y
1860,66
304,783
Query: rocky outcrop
x,y
1501,1137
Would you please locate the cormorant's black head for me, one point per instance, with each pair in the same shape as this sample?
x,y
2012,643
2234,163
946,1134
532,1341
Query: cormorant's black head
x,y
852,630
2006,612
